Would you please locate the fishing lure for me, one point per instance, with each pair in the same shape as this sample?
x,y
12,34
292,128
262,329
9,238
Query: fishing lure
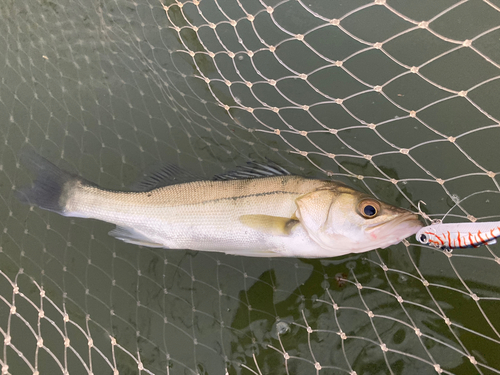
x,y
459,235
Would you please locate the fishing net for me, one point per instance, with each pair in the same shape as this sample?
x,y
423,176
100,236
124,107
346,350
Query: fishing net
x,y
396,98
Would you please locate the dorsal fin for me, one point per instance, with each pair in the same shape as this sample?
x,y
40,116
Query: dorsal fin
x,y
169,174
172,174
254,170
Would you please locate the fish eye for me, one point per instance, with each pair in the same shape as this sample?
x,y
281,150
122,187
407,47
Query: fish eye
x,y
368,209
423,238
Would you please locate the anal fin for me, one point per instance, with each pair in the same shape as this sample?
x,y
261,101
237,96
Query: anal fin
x,y
130,235
275,225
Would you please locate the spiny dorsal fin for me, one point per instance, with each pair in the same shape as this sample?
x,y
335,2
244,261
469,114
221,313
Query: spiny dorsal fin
x,y
169,174
172,174
254,170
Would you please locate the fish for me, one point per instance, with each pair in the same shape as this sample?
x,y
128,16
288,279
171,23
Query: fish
x,y
258,210
449,236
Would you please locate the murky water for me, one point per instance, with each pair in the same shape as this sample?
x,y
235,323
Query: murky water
x,y
114,89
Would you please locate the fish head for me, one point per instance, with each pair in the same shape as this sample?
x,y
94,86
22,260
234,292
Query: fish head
x,y
344,220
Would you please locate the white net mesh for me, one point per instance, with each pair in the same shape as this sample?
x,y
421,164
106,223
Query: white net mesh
x,y
398,98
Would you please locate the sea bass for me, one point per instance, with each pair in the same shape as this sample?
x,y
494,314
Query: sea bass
x,y
259,210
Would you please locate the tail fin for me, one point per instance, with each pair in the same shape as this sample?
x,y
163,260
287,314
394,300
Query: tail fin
x,y
48,189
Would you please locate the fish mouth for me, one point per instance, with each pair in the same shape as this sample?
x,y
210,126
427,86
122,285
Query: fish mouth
x,y
397,229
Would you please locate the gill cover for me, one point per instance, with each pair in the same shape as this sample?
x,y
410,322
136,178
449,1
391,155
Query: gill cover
x,y
313,208
312,211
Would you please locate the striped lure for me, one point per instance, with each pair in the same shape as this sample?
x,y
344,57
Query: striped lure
x,y
459,235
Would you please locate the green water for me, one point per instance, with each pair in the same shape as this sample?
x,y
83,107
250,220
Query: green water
x,y
101,89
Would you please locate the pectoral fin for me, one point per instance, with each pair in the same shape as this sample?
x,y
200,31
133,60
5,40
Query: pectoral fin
x,y
129,235
275,225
